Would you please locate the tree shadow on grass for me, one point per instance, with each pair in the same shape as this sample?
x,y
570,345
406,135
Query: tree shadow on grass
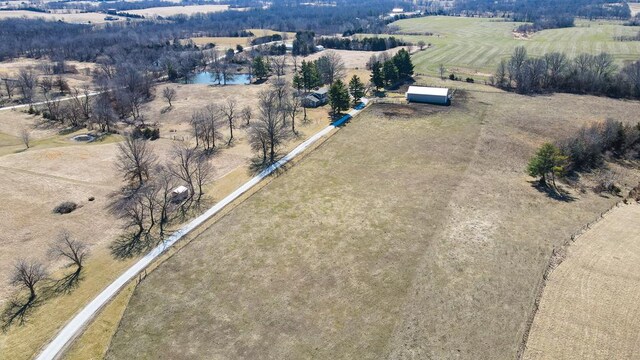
x,y
67,283
129,245
18,310
554,193
256,166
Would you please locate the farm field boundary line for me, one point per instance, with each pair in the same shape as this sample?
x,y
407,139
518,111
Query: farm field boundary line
x,y
557,256
73,328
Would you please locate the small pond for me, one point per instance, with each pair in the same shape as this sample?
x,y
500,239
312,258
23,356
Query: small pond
x,y
206,77
83,138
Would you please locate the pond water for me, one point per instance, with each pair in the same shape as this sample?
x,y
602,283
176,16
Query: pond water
x,y
206,77
84,138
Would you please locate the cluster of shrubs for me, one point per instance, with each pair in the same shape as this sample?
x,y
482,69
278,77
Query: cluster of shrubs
x,y
147,133
557,22
586,151
365,44
65,207
453,77
588,148
635,37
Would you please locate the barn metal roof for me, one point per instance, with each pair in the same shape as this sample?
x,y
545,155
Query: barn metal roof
x,y
424,90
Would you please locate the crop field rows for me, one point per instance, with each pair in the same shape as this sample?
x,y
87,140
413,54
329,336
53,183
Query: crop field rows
x,y
478,45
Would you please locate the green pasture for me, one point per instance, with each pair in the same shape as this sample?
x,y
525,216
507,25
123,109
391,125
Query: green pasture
x,y
476,45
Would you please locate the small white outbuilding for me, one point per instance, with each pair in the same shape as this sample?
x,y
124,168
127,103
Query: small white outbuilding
x,y
429,95
179,194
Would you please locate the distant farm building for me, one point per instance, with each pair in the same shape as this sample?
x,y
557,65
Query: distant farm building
x,y
429,95
316,98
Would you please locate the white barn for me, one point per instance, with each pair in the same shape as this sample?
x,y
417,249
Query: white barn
x,y
429,95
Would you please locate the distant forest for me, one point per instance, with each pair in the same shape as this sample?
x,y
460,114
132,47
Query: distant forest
x,y
545,14
37,38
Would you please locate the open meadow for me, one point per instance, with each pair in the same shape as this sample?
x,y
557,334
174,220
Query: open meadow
x,y
165,11
590,307
76,18
413,232
475,46
56,169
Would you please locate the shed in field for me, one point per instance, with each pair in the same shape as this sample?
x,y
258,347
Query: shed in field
x,y
429,95
179,194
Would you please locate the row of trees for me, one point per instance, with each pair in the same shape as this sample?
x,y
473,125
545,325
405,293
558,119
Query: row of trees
x,y
366,44
146,205
387,72
585,74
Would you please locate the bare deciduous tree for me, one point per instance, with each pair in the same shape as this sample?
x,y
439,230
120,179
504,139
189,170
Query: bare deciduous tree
x,y
70,249
27,275
135,160
9,86
169,94
75,252
165,181
205,125
27,82
246,115
330,67
102,112
25,136
421,44
293,108
229,109
279,64
270,129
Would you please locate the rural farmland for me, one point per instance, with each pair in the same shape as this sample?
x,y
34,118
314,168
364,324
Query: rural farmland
x,y
353,179
589,308
349,263
476,45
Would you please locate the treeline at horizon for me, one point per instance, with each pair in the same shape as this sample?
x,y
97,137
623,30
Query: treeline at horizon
x,y
36,38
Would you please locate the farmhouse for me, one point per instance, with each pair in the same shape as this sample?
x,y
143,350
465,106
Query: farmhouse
x,y
429,95
316,98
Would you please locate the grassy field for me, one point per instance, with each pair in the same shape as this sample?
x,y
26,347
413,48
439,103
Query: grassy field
x,y
56,169
165,11
77,18
411,233
590,307
476,45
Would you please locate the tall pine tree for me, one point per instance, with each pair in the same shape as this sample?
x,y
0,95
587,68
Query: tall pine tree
x,y
377,79
356,89
338,97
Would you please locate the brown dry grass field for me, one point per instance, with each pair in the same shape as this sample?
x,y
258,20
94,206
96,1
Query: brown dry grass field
x,y
56,169
77,79
590,307
634,7
177,10
412,233
78,18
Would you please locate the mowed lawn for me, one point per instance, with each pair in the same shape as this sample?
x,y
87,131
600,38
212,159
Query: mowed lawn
x,y
478,44
412,233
